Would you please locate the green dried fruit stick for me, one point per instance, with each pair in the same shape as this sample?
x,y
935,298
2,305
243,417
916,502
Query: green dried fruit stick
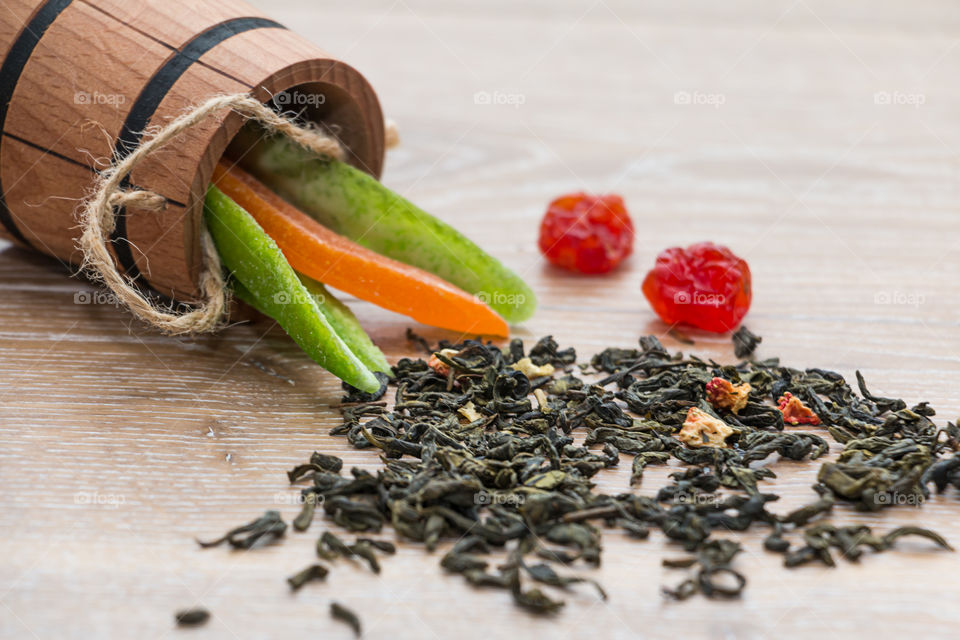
x,y
341,319
356,205
255,261
347,326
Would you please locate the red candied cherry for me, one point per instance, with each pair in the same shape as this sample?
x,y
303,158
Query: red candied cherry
x,y
704,285
586,233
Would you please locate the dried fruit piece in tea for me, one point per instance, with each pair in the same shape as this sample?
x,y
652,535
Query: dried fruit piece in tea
x,y
529,369
723,394
795,412
700,429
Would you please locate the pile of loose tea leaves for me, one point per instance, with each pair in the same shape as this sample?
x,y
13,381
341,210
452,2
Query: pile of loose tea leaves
x,y
495,449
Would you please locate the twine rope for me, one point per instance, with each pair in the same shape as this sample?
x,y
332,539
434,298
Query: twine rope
x,y
97,219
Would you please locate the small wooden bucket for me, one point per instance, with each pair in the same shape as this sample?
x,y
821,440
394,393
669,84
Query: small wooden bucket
x,y
80,82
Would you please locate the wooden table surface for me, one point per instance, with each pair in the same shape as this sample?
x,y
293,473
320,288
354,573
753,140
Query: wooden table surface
x,y
819,140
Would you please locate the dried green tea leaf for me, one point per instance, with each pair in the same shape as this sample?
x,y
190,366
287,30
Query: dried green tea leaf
x,y
191,617
267,528
313,572
303,520
745,342
892,536
341,613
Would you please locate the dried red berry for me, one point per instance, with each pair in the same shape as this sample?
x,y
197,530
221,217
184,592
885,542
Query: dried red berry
x,y
586,233
704,285
795,412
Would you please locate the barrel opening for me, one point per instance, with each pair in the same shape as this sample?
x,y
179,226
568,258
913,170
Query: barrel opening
x,y
335,111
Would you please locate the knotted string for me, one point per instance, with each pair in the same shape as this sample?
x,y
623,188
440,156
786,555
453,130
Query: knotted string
x,y
97,219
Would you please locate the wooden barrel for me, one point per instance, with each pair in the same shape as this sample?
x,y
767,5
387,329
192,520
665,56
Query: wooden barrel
x,y
82,80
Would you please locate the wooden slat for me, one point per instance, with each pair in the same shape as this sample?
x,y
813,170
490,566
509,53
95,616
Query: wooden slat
x,y
77,91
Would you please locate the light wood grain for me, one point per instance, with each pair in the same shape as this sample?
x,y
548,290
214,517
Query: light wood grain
x,y
837,202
